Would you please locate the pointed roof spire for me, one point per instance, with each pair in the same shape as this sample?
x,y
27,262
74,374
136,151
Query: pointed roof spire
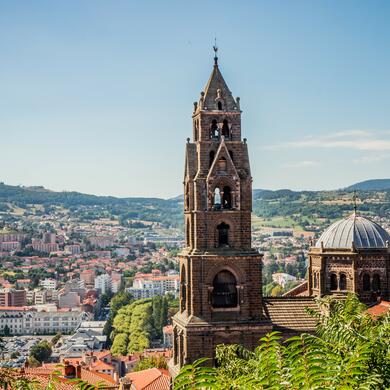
x,y
217,95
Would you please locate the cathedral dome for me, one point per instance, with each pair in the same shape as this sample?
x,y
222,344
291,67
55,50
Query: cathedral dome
x,y
354,230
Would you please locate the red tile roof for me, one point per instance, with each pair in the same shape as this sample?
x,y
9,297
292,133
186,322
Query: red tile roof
x,y
380,308
151,379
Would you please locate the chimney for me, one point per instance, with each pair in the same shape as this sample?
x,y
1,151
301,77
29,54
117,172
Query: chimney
x,y
125,384
78,370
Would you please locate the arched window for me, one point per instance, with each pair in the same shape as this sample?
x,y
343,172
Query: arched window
x,y
333,282
183,288
188,243
343,282
376,282
225,129
196,130
214,129
217,198
223,234
231,154
227,198
219,106
366,282
224,290
212,155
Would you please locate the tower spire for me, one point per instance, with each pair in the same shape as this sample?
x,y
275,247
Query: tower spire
x,y
215,48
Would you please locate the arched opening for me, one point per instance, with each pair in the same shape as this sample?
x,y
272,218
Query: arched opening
x,y
217,198
315,281
343,282
376,282
220,106
223,234
196,130
366,282
224,290
188,241
333,282
227,198
183,289
222,164
225,129
231,154
214,129
211,158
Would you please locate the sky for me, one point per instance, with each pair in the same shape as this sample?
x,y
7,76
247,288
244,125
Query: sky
x,y
97,96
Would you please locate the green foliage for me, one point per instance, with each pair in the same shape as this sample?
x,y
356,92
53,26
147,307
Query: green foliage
x,y
151,362
41,351
350,350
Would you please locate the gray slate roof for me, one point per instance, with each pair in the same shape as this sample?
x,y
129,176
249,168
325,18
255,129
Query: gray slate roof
x,y
356,230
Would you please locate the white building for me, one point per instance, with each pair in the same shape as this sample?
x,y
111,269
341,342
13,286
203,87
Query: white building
x,y
29,320
151,285
103,283
282,278
49,284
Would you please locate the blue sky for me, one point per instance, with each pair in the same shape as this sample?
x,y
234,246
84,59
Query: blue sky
x,y
96,96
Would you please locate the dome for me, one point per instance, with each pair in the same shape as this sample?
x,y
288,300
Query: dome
x,y
355,229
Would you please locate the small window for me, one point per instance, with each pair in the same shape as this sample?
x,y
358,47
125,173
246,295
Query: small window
x,y
315,280
333,282
224,290
366,282
376,282
343,282
223,234
219,106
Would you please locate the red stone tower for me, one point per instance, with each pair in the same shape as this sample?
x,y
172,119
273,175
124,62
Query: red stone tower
x,y
220,273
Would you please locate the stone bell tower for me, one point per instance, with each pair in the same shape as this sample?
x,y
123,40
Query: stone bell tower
x,y
220,274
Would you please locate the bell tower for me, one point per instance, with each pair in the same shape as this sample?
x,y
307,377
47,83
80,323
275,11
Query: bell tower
x,y
220,273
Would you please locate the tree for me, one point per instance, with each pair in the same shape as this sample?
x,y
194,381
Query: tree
x,y
6,330
151,362
41,351
350,350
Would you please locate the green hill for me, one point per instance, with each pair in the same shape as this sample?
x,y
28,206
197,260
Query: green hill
x,y
371,185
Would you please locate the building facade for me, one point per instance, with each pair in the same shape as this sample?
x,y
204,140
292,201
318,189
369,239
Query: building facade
x,y
220,273
352,255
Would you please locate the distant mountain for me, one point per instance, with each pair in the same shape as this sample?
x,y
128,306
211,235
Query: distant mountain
x,y
370,185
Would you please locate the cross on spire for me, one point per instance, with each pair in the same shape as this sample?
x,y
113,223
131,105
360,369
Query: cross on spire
x,y
354,201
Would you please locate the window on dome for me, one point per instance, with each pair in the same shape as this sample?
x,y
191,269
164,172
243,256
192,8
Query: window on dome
x,y
333,282
366,282
376,282
343,282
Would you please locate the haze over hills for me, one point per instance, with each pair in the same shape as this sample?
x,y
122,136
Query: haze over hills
x,y
299,207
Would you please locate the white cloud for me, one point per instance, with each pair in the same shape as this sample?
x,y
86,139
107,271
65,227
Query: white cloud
x,y
350,139
302,164
374,158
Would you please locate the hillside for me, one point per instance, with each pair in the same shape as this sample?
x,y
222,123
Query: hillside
x,y
371,185
278,209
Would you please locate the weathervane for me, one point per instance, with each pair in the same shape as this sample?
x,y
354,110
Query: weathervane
x,y
215,48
